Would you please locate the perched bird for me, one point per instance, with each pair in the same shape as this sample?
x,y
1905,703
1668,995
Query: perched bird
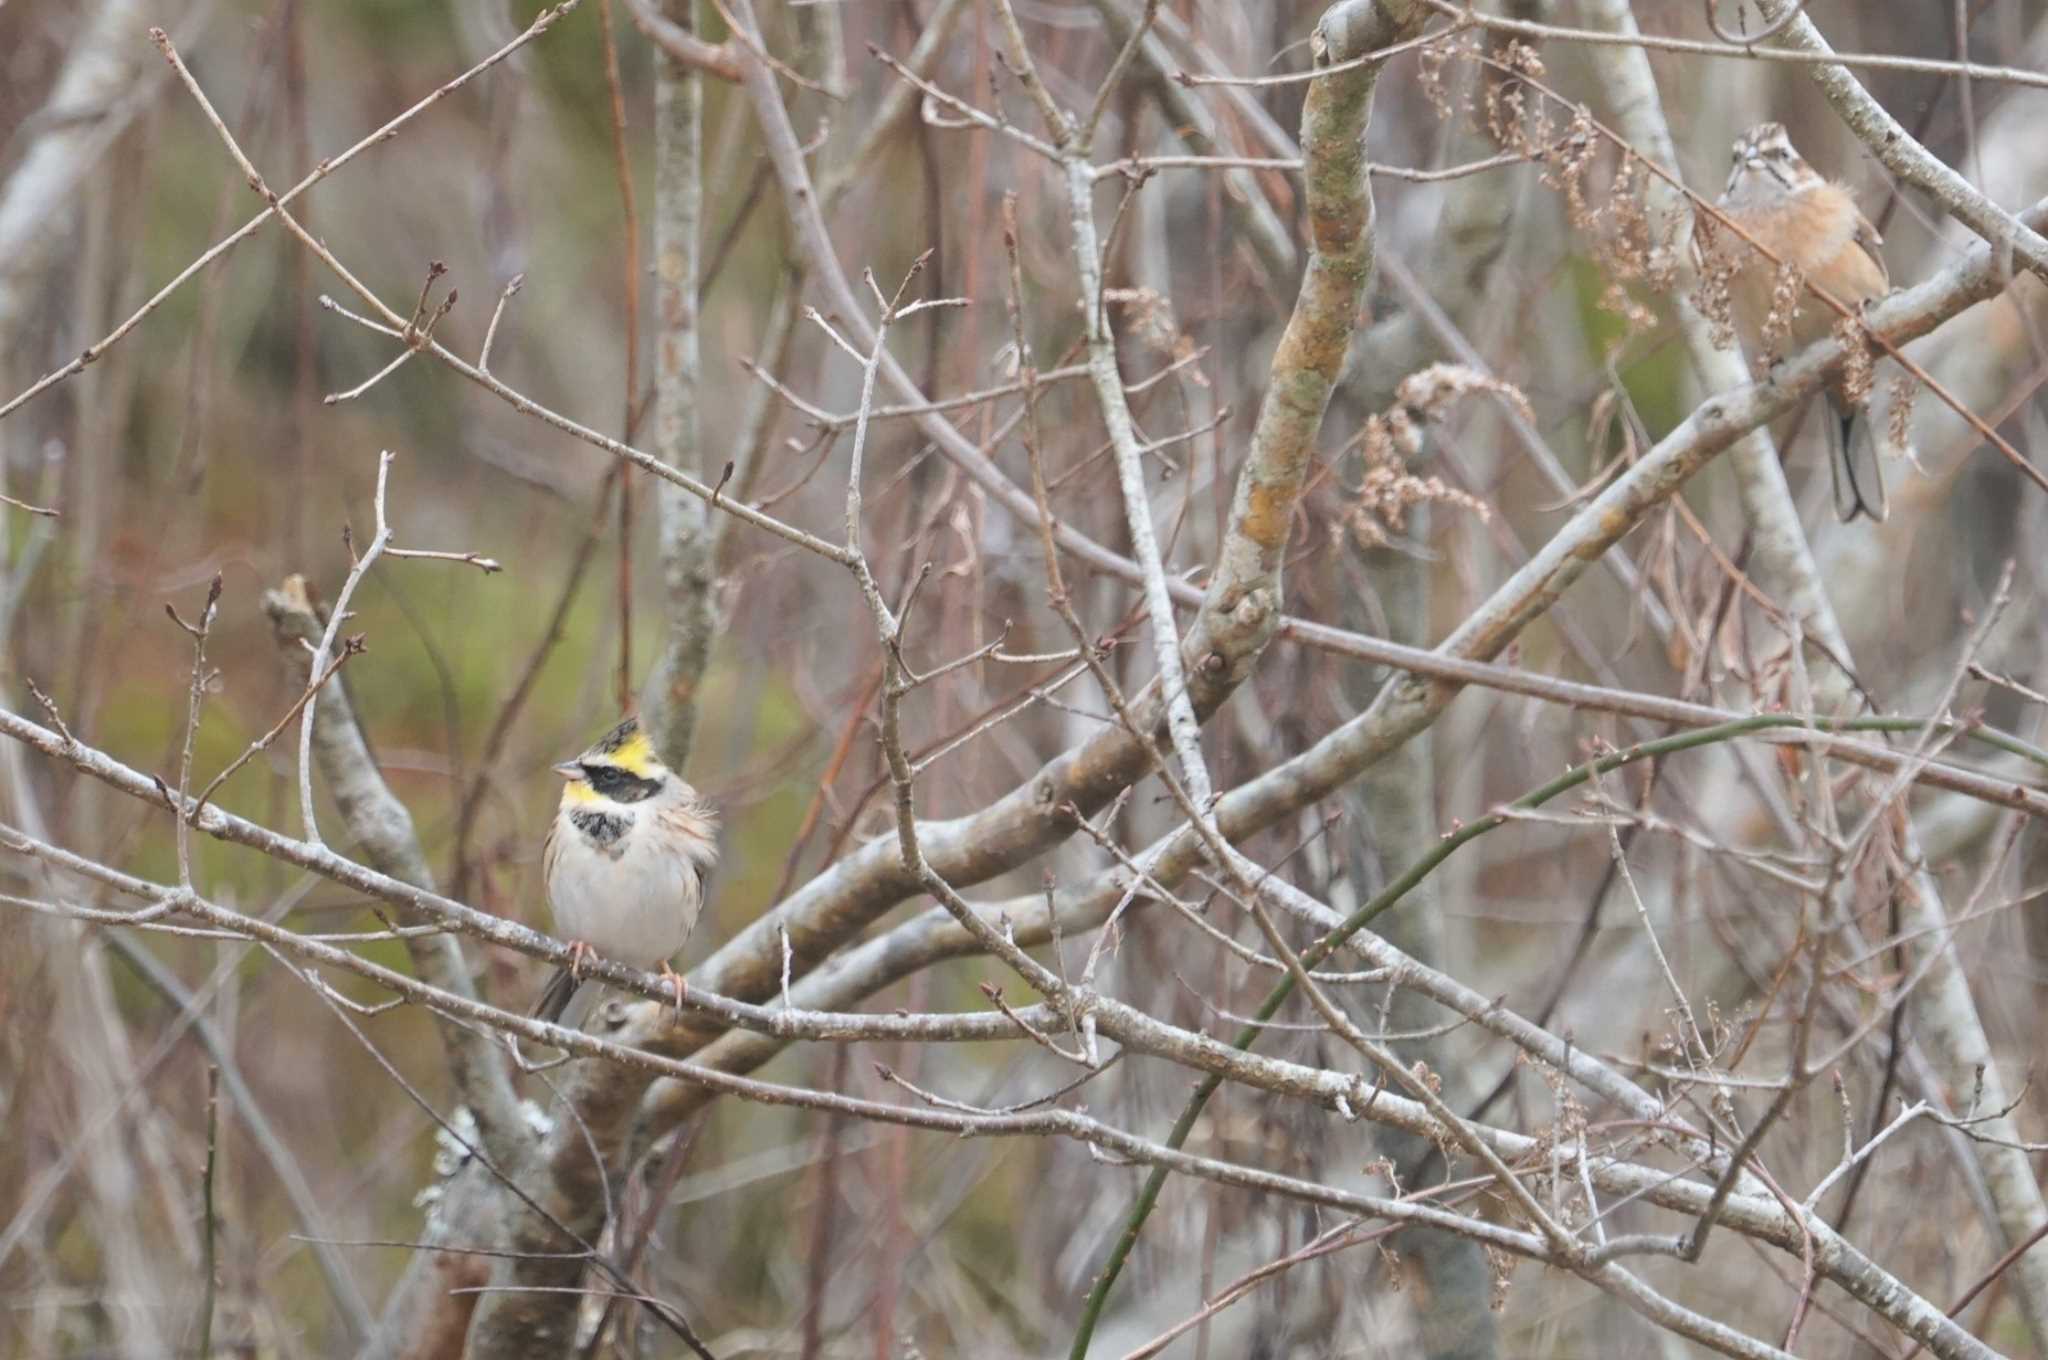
x,y
1814,226
625,860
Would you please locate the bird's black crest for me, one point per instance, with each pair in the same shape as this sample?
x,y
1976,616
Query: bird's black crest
x,y
613,740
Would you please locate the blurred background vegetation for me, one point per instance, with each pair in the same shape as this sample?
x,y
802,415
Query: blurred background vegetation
x,y
201,445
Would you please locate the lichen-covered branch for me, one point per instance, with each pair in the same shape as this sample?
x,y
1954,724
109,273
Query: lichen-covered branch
x,y
1236,620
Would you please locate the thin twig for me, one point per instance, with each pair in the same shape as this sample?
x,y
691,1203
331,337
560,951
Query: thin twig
x,y
1466,16
197,697
395,324
1113,78
483,355
351,646
324,651
542,22
44,511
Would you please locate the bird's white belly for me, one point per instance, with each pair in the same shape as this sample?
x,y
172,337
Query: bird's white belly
x,y
637,909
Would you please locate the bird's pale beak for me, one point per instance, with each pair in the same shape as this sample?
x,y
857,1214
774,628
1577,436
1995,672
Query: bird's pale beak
x,y
569,769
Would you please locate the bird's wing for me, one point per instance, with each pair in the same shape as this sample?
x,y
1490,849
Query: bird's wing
x,y
549,850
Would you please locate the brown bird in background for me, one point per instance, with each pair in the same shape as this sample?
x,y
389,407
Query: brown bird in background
x,y
1814,226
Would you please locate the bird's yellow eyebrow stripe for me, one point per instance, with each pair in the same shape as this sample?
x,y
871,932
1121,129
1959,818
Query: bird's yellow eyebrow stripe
x,y
636,756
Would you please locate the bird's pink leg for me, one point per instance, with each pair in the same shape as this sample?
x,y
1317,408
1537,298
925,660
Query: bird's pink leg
x,y
675,982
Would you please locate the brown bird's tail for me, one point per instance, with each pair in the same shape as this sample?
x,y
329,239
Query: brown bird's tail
x,y
1852,463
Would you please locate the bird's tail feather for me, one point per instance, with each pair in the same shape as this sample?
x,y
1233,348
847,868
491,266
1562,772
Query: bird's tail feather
x,y
561,989
1853,463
